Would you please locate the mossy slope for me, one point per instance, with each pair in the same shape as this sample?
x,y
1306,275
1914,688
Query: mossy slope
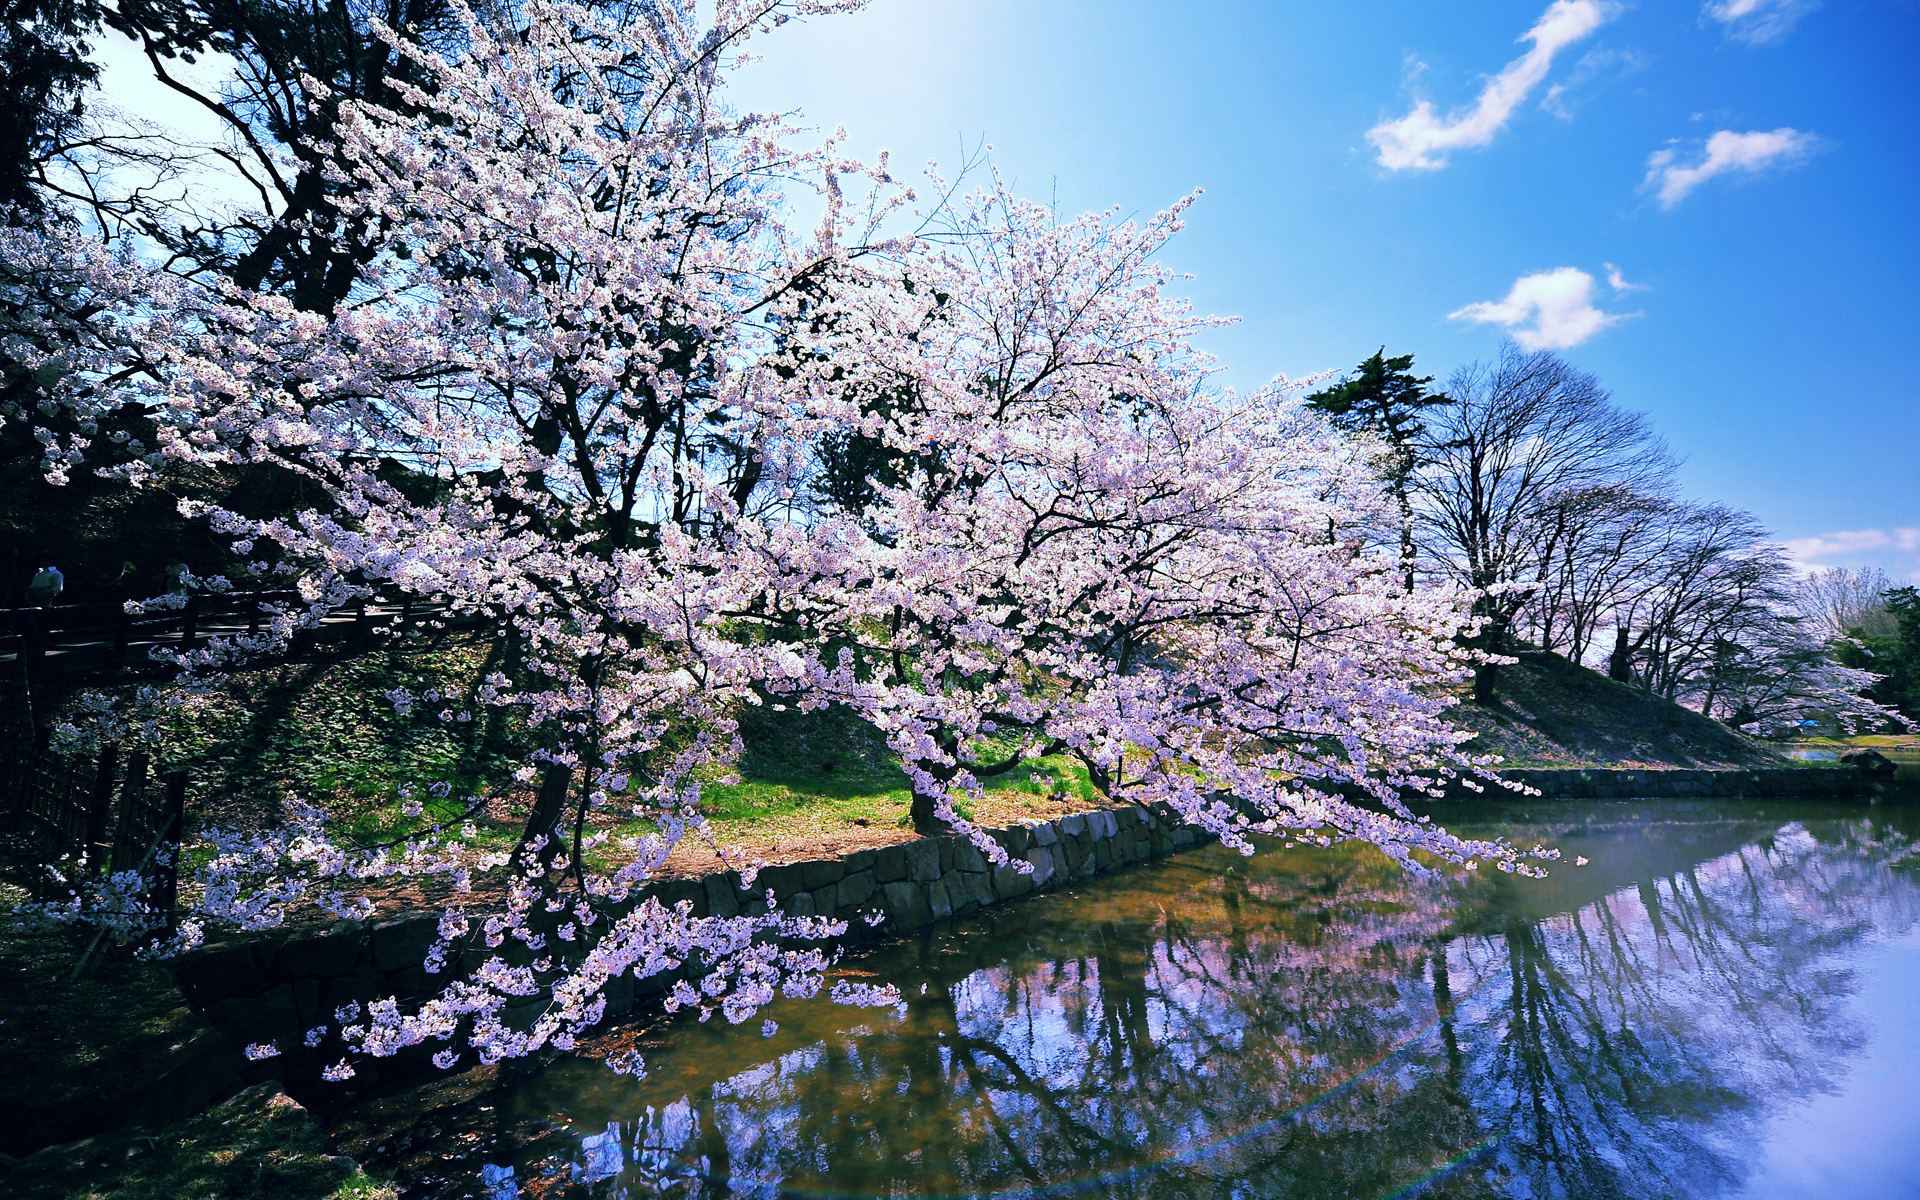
x,y
1552,712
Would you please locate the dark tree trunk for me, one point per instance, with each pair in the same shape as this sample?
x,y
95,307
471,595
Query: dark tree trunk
x,y
1486,675
925,820
549,808
1486,683
1443,1006
1491,638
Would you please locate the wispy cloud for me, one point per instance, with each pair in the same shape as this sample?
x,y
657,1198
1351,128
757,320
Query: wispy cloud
x,y
1563,97
1618,282
1552,310
1422,138
1726,151
1852,541
1758,21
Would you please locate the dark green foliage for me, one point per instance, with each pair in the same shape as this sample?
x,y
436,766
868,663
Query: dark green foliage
x,y
852,463
330,731
43,74
786,742
114,541
1383,397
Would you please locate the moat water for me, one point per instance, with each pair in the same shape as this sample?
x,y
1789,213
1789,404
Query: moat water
x,y
1724,1002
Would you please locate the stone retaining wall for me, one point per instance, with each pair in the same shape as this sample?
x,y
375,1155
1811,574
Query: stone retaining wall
x,y
1843,782
274,989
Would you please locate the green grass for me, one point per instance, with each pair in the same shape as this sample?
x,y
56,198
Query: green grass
x,y
327,732
879,796
1864,741
769,809
766,799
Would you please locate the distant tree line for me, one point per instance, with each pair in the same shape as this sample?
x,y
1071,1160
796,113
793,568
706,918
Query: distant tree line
x,y
1561,512
1870,625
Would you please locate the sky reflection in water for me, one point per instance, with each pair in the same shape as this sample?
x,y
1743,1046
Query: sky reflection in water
x,y
1720,1005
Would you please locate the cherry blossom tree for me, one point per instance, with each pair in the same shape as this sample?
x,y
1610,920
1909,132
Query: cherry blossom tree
x,y
594,386
77,320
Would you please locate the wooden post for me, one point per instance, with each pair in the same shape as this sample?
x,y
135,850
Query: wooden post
x,y
33,641
122,640
20,700
128,838
191,628
17,775
253,614
166,876
100,809
36,793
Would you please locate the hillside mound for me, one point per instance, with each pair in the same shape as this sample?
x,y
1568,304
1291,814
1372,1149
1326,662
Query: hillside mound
x,y
1552,712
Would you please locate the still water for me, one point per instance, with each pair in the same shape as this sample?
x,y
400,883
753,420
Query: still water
x,y
1724,1002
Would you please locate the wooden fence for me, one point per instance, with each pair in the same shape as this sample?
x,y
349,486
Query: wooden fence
x,y
107,809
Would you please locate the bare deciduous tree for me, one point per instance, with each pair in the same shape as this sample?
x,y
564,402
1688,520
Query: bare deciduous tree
x,y
1717,626
1603,546
1504,468
1716,575
1840,603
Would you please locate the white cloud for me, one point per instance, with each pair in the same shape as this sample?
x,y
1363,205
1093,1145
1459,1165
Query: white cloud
x,y
1618,282
1551,310
1422,138
1726,151
1758,21
1852,541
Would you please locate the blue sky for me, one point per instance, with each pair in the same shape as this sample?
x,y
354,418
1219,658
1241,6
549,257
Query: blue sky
x,y
1749,168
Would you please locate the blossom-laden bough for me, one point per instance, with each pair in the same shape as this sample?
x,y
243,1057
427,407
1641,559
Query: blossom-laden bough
x,y
967,480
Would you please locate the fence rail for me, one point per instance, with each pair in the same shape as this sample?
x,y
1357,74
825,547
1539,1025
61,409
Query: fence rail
x,y
106,639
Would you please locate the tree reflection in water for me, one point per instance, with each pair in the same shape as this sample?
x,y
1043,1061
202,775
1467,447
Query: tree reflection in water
x,y
1305,1023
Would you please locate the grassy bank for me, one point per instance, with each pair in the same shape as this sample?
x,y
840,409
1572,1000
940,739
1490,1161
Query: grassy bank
x,y
329,731
256,1144
1904,743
